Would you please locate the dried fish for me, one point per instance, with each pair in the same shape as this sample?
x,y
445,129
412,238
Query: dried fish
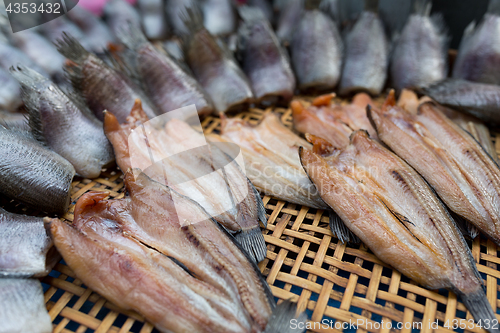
x,y
22,307
118,14
10,94
64,123
290,13
11,56
219,16
477,99
153,18
478,57
166,83
214,67
316,50
185,276
26,250
420,54
33,174
331,121
180,157
271,160
96,32
175,10
265,6
101,86
464,176
16,120
54,30
396,214
269,72
366,58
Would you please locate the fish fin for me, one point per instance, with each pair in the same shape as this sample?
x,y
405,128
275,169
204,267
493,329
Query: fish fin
x,y
340,230
192,17
465,227
478,305
131,36
283,318
253,243
260,205
69,47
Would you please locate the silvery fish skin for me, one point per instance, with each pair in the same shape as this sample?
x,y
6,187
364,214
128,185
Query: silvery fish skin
x,y
478,57
270,72
333,122
41,51
168,155
11,56
480,100
26,250
386,203
316,51
166,83
22,307
64,123
34,174
118,14
10,94
215,68
101,86
420,54
185,277
271,160
289,14
153,18
465,177
97,34
219,16
175,10
366,58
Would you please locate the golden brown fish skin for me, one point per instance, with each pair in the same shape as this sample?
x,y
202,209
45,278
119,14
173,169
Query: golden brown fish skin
x,y
271,160
397,215
455,165
26,250
196,173
137,236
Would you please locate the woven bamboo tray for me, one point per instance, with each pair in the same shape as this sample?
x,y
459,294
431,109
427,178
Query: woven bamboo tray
x,y
305,263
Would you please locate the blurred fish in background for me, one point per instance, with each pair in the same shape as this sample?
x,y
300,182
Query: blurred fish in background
x,y
153,17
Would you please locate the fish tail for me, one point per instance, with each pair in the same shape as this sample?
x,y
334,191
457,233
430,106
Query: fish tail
x,y
132,37
494,7
261,210
284,319
371,6
480,308
69,47
193,19
422,7
252,241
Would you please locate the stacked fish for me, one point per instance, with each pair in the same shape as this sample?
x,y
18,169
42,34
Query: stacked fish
x,y
404,178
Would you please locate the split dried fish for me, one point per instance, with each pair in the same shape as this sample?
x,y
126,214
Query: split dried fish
x,y
22,307
179,156
270,72
144,253
166,83
465,177
26,249
316,49
331,121
64,123
101,86
366,58
271,160
32,173
477,99
420,54
384,202
478,57
214,67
